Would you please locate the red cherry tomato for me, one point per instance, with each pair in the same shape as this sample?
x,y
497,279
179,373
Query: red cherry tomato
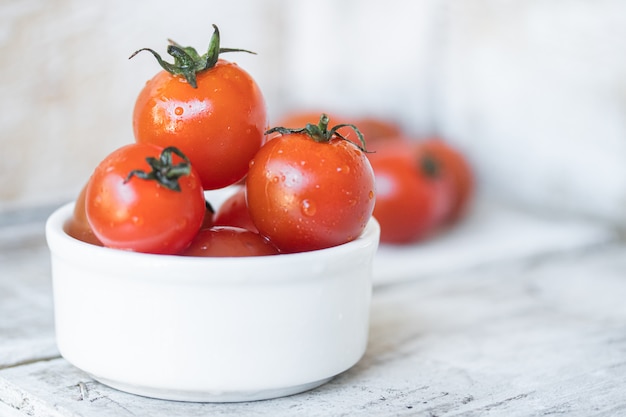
x,y
375,128
77,226
299,118
412,197
305,194
131,207
219,124
377,131
234,212
455,166
229,241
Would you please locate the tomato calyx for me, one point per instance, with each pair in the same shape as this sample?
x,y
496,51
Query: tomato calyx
x,y
164,171
320,132
429,165
187,61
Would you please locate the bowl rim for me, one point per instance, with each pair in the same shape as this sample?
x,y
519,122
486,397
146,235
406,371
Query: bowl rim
x,y
65,246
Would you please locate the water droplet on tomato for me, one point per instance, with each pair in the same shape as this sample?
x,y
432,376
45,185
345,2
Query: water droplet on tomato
x,y
308,207
178,111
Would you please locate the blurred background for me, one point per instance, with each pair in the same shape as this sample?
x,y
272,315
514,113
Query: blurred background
x,y
532,91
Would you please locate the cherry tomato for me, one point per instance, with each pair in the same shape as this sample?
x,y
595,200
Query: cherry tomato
x,y
309,190
77,226
229,241
299,118
458,169
234,212
214,113
412,195
130,207
378,132
375,128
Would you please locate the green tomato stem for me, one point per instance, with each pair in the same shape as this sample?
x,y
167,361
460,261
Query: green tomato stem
x,y
430,166
164,171
187,62
320,132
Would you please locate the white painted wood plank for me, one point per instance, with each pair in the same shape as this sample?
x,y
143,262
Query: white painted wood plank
x,y
492,232
26,312
518,339
529,90
7,411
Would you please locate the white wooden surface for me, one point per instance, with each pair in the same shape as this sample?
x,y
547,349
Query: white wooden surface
x,y
517,332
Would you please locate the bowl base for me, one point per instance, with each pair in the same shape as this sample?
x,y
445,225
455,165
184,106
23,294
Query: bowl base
x,y
210,396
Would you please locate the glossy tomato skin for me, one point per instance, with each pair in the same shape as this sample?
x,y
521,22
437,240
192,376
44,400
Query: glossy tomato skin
x,y
305,195
456,167
229,241
411,201
234,212
219,125
77,226
142,215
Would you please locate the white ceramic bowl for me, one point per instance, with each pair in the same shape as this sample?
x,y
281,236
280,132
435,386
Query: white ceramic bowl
x,y
210,329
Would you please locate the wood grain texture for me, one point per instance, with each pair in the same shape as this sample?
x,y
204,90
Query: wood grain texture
x,y
26,312
526,337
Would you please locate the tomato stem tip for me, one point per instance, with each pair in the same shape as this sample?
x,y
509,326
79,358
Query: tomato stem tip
x,y
321,133
164,171
187,61
430,166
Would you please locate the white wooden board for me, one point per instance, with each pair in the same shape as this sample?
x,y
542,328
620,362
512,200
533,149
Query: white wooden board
x,y
26,312
500,340
492,232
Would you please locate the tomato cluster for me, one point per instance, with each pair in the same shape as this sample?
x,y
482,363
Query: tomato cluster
x,y
423,185
201,124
